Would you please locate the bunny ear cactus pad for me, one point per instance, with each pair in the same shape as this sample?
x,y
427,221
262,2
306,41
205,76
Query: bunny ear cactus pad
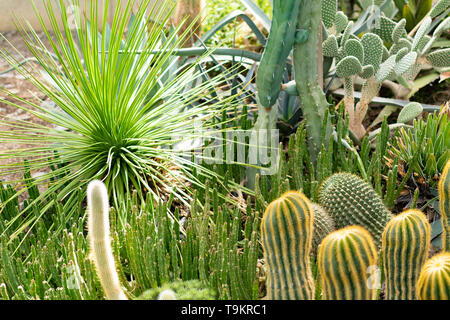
x,y
439,8
279,44
287,233
345,260
434,280
348,67
440,58
444,205
354,48
329,10
410,112
373,50
405,246
349,200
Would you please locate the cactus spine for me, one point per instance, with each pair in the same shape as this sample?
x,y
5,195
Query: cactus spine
x,y
100,243
351,201
444,205
405,246
287,232
345,260
434,280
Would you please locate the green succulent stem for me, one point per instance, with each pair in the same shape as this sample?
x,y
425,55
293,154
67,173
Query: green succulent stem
x,y
314,102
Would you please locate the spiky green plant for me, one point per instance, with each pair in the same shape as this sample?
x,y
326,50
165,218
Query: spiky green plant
x,y
344,259
425,147
405,246
287,232
351,201
444,205
123,120
434,280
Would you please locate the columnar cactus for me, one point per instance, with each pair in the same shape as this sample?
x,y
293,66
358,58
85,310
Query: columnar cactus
x,y
434,280
405,246
287,233
349,200
100,242
323,225
279,45
444,205
346,259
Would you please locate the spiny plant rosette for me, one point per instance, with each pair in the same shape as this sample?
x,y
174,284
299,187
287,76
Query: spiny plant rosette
x,y
123,118
405,246
434,280
349,200
287,232
346,259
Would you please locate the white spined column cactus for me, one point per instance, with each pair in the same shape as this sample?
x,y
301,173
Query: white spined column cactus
x,y
100,242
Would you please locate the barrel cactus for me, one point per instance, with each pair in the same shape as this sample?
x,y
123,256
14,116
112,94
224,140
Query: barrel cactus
x,y
287,233
434,280
323,225
351,201
345,259
405,246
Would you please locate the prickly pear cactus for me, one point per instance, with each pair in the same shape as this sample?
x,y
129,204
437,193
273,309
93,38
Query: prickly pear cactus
x,y
351,201
405,246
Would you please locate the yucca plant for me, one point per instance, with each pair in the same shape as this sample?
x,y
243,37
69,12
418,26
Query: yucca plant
x,y
124,121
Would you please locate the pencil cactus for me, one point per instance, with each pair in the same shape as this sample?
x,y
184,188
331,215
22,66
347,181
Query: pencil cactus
x,y
444,205
287,233
351,201
405,246
434,280
345,260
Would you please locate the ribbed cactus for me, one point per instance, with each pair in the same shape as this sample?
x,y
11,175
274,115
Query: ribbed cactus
x,y
346,259
351,201
405,246
287,232
434,280
323,225
100,242
444,205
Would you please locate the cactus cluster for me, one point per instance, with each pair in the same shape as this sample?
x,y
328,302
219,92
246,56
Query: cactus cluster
x,y
347,259
368,58
349,200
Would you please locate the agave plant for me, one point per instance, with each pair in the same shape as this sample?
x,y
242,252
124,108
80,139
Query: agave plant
x,y
122,116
